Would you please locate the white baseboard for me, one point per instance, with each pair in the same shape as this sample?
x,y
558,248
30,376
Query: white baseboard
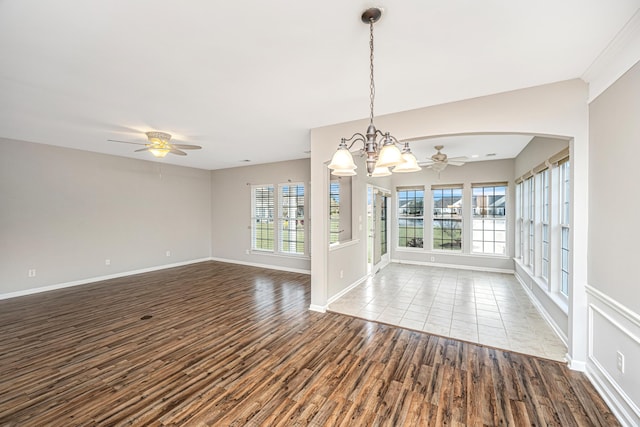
x,y
346,290
456,266
613,396
576,365
318,308
97,279
268,266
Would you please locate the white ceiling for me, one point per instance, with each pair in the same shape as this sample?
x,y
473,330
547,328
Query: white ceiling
x,y
248,80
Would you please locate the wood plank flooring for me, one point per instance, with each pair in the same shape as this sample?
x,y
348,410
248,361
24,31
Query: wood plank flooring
x,y
234,345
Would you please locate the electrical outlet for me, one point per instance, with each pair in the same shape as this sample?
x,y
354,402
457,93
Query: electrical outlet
x,y
31,272
620,362
247,251
433,259
168,253
342,274
107,262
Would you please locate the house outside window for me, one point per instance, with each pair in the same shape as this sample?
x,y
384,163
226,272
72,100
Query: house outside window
x,y
545,228
262,230
291,218
447,218
488,204
530,221
410,217
565,188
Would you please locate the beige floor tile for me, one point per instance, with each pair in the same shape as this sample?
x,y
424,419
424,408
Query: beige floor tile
x,y
436,329
465,317
488,308
439,311
440,321
411,324
389,318
490,321
416,315
463,324
464,334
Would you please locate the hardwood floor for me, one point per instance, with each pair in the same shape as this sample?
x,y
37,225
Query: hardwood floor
x,y
235,345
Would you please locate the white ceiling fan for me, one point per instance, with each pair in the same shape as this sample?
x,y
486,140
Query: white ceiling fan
x,y
439,161
159,145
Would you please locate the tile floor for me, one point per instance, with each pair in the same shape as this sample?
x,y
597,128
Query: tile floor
x,y
479,307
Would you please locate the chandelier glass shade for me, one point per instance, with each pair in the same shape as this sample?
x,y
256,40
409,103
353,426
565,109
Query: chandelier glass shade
x,y
381,157
159,152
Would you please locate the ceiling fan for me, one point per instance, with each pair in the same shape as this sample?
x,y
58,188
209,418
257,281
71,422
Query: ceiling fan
x,y
160,146
440,161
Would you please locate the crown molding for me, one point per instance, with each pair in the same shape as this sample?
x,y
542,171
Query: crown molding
x,y
622,53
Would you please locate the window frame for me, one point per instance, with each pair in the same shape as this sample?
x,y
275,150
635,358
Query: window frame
x,y
458,217
475,217
545,226
299,227
565,229
403,216
269,217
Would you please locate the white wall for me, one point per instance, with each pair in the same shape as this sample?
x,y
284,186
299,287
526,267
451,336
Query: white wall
x,y
63,212
231,212
558,109
614,248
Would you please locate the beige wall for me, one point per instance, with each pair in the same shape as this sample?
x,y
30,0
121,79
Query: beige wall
x,y
231,213
614,153
614,244
558,109
63,212
536,152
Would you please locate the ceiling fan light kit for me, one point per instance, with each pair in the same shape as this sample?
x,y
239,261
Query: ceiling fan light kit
x,y
380,157
160,145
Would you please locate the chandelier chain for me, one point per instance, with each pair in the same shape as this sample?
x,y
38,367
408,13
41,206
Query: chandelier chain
x,y
372,85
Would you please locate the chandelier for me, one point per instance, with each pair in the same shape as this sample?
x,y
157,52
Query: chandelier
x,y
380,156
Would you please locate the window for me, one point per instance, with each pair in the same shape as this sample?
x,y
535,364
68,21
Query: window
x,y
334,211
544,215
383,224
565,184
339,209
530,224
288,236
262,218
411,218
520,220
291,218
447,218
489,234
543,206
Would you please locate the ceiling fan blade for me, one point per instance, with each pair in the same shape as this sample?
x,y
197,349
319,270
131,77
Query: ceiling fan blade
x,y
455,163
142,149
127,142
187,146
458,159
178,152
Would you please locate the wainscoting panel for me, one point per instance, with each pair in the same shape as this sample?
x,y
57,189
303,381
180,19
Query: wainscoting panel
x,y
614,329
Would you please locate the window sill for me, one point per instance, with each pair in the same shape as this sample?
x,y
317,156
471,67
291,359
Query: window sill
x,y
403,249
555,297
279,254
454,253
337,246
